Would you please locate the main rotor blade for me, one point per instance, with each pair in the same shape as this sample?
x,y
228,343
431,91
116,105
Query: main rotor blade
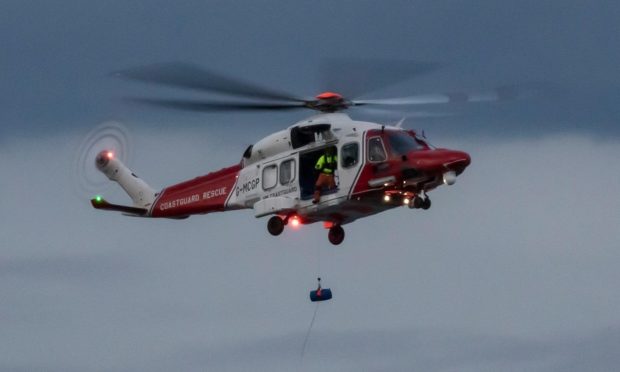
x,y
500,94
383,111
185,75
355,78
203,106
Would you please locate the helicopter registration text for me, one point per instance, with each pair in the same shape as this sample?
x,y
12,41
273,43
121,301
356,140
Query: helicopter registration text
x,y
247,186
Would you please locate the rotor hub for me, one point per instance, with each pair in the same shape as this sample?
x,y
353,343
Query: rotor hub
x,y
328,102
329,96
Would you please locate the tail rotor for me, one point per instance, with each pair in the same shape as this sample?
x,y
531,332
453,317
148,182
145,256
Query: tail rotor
x,y
109,136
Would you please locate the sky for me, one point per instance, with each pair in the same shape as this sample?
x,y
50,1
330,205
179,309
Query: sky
x,y
513,268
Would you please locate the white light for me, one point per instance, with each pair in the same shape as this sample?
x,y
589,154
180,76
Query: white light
x,y
387,198
449,178
406,201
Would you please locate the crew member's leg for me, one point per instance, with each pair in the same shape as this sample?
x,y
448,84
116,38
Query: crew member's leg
x,y
331,181
324,180
317,188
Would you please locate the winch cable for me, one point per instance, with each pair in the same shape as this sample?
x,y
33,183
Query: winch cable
x,y
303,349
318,260
316,308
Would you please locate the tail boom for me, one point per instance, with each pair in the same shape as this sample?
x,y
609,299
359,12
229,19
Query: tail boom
x,y
140,193
200,195
205,194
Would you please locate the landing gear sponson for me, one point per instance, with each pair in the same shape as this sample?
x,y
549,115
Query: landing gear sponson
x,y
336,234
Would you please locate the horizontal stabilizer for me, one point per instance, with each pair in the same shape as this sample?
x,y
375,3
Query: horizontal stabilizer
x,y
100,203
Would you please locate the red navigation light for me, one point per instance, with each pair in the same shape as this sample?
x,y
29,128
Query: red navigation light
x,y
329,95
295,221
109,155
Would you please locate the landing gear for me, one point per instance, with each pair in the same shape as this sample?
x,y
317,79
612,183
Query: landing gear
x,y
419,202
275,225
336,234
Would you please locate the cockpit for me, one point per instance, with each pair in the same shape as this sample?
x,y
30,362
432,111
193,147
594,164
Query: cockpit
x,y
383,145
402,143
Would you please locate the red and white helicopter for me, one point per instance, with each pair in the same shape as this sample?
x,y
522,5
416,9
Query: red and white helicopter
x,y
380,167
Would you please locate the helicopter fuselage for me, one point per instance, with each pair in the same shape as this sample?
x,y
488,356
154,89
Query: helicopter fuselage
x,y
379,168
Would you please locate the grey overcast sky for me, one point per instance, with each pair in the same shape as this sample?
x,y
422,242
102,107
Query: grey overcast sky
x,y
513,268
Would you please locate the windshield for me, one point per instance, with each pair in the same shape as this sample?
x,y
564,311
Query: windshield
x,y
402,143
424,142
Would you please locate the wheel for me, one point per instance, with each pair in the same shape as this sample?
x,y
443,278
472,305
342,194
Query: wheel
x,y
275,225
417,202
336,235
426,203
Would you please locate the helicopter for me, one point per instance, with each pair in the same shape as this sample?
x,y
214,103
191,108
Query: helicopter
x,y
379,167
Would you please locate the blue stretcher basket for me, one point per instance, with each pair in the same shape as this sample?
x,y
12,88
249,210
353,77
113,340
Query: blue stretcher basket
x,y
326,294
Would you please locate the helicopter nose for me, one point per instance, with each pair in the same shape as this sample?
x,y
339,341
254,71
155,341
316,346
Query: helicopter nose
x,y
458,161
441,160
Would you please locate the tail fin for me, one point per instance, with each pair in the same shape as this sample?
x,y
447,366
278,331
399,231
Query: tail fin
x,y
141,194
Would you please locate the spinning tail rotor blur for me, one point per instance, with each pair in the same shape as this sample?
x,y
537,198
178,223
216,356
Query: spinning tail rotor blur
x,y
112,137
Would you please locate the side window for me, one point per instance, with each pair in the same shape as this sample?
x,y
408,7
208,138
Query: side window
x,y
287,172
376,151
270,177
349,154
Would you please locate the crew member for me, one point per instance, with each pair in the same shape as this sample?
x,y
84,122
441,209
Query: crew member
x,y
326,166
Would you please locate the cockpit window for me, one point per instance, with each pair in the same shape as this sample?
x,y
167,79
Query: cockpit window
x,y
376,152
402,143
424,143
349,154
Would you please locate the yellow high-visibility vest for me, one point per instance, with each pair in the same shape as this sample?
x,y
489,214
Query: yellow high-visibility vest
x,y
327,164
